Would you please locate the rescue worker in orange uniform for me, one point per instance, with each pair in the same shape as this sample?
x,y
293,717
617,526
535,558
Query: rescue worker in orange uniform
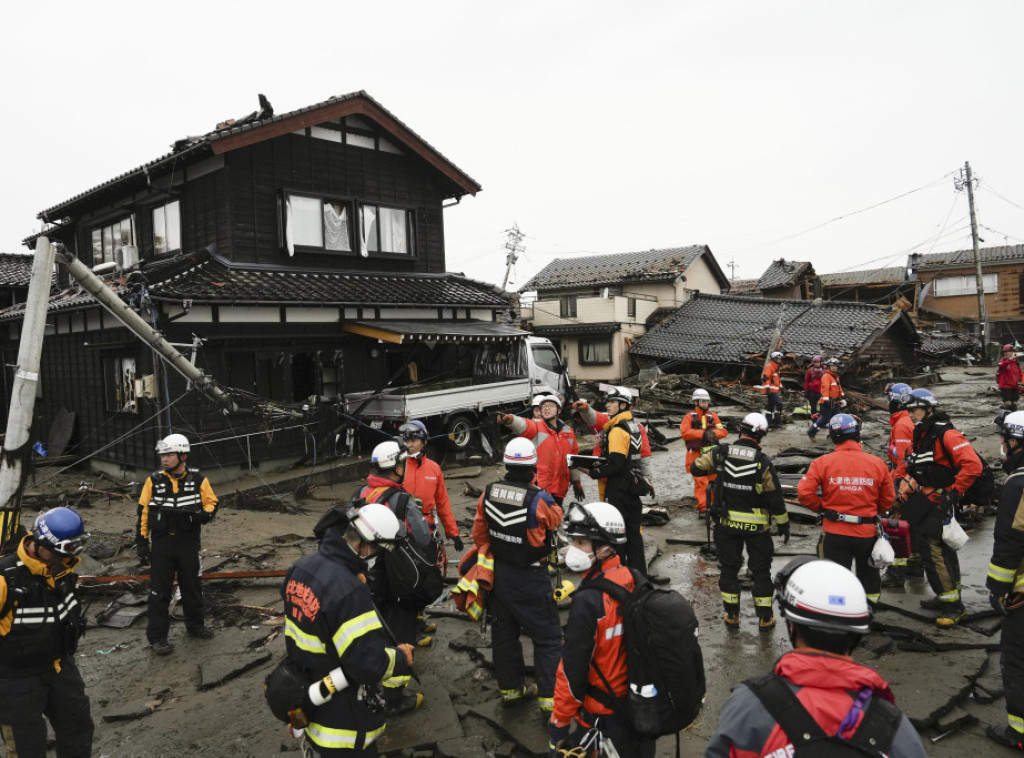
x,y
771,381
831,400
856,488
513,524
423,478
701,428
901,442
593,635
943,468
554,439
596,420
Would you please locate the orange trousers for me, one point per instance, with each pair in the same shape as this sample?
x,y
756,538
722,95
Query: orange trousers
x,y
700,483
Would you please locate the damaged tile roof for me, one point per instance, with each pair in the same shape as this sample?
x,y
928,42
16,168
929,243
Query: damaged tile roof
x,y
192,149
575,330
731,329
743,286
783,273
990,255
943,344
876,276
600,270
15,270
208,279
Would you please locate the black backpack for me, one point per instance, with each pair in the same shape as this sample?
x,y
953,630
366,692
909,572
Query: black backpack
x,y
873,737
664,663
983,488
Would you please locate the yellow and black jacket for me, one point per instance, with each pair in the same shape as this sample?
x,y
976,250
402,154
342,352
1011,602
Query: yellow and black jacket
x,y
747,491
1006,569
175,505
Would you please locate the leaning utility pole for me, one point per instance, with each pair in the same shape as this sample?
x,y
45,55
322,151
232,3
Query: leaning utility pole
x,y
514,248
967,179
17,450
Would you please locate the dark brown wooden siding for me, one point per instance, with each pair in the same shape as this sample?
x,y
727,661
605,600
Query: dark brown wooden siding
x,y
261,173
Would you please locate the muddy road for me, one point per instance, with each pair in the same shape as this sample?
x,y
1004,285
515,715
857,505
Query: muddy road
x,y
206,698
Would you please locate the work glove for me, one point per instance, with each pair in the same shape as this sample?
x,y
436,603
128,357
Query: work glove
x,y
581,405
949,500
784,532
142,550
557,735
842,403
577,490
996,601
505,419
457,542
204,517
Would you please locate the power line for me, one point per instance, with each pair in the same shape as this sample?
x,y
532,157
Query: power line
x,y
989,188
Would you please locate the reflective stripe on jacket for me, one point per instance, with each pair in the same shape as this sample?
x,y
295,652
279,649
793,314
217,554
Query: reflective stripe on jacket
x,y
1006,569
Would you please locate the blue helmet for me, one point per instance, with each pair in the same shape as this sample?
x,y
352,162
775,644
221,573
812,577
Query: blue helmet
x,y
61,530
897,390
413,429
919,399
843,426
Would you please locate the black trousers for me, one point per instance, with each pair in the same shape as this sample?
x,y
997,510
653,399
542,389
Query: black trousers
x,y
730,544
174,555
1011,664
632,553
522,601
1010,396
850,551
60,698
626,741
941,568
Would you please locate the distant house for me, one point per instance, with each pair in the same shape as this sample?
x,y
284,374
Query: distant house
x,y
305,251
881,286
712,332
15,275
782,280
948,289
593,307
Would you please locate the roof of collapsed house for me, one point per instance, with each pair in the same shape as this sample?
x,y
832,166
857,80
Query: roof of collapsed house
x,y
264,124
203,278
783,273
732,329
641,266
875,276
960,258
943,344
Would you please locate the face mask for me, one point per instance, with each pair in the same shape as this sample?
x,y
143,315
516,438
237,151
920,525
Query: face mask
x,y
1003,452
577,560
370,560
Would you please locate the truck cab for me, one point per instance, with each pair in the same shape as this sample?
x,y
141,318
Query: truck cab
x,y
547,369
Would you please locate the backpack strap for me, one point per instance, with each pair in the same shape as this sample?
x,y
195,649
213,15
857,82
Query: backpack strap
x,y
784,706
878,728
606,697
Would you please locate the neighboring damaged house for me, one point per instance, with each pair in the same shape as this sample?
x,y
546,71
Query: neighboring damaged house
x,y
305,250
730,336
15,275
789,280
948,289
879,286
594,307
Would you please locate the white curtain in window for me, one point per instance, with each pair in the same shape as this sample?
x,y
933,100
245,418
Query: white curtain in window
x,y
303,222
368,230
596,351
392,231
336,234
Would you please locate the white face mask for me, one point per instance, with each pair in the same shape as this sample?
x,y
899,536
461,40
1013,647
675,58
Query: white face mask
x,y
577,560
370,560
1003,452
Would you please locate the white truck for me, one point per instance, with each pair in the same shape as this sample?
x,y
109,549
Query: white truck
x,y
504,377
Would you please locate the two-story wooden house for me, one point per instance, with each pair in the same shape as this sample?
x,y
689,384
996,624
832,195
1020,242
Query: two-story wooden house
x,y
593,307
293,250
949,292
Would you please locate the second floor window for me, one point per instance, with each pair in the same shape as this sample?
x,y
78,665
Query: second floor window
x,y
107,239
385,230
316,222
567,306
950,286
167,228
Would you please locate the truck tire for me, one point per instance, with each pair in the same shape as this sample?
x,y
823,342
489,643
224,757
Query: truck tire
x,y
461,430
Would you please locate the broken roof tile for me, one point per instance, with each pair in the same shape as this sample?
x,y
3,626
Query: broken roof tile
x,y
600,270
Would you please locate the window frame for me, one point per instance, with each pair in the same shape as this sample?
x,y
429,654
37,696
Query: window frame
x,y
101,228
348,202
971,286
596,338
567,306
152,220
111,392
410,231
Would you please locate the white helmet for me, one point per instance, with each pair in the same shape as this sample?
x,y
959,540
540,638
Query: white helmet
x,y
601,522
1013,425
541,399
377,525
622,394
699,394
520,452
754,424
537,400
776,356
173,443
387,455
822,594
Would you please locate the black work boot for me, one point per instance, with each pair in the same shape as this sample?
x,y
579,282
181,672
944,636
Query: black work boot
x,y
162,647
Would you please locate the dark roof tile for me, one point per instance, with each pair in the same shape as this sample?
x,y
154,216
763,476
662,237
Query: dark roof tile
x,y
600,270
15,270
783,273
876,276
990,255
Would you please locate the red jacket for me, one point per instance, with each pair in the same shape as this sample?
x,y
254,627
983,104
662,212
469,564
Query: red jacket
x,y
603,419
772,378
830,387
552,447
593,632
951,449
1008,375
698,421
812,381
901,442
423,478
826,685
853,483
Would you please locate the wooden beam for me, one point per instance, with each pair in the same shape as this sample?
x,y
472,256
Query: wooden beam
x,y
377,334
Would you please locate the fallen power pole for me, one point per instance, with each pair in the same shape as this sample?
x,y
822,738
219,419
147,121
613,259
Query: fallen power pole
x,y
17,451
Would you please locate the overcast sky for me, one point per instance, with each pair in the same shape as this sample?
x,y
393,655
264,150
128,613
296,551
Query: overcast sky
x,y
598,127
